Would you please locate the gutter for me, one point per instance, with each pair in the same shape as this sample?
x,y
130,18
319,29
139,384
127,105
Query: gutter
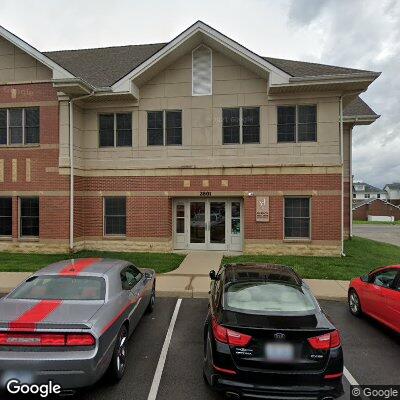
x,y
71,165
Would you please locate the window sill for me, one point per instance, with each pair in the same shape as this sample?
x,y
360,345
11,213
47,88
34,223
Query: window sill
x,y
6,238
28,238
114,237
18,146
297,240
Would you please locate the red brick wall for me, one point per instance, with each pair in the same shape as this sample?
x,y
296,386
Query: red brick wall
x,y
377,208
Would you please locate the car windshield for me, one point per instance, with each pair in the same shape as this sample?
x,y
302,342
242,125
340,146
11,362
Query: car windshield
x,y
268,297
61,288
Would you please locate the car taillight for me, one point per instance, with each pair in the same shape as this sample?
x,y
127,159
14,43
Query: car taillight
x,y
80,340
229,336
46,339
325,342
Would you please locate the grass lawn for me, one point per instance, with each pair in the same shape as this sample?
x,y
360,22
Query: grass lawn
x,y
160,262
375,223
362,255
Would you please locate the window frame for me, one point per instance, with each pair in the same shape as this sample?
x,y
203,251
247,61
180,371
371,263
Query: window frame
x,y
23,126
296,123
298,239
27,237
241,125
164,128
211,77
11,216
114,146
113,235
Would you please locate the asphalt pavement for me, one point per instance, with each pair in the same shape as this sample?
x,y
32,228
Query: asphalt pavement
x,y
371,354
381,233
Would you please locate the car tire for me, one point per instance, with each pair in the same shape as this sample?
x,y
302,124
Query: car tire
x,y
354,303
152,302
117,366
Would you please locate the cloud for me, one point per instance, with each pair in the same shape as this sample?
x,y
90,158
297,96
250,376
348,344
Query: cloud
x,y
363,34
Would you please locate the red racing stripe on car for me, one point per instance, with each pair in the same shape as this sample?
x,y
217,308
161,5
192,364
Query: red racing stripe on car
x,y
112,322
75,268
29,319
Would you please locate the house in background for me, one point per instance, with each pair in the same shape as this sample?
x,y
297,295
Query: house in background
x,y
393,192
198,143
363,191
375,209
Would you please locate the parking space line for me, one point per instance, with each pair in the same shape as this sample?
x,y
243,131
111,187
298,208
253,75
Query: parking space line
x,y
349,377
163,356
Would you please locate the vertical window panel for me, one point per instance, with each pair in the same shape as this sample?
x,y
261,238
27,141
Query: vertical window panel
x,y
29,220
202,71
155,129
251,125
5,216
32,125
3,126
231,125
173,127
115,215
124,129
106,131
15,126
286,123
307,123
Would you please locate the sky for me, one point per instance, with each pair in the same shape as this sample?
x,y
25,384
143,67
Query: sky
x,y
361,34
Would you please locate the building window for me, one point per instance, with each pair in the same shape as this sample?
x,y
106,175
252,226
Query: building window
x,y
180,218
115,130
297,218
5,216
19,126
378,196
235,217
202,71
115,216
240,125
29,220
354,195
297,123
367,195
164,128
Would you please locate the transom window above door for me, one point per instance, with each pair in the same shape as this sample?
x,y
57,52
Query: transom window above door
x,y
241,125
115,130
164,128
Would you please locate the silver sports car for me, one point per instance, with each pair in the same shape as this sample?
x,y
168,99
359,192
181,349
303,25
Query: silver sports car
x,y
69,323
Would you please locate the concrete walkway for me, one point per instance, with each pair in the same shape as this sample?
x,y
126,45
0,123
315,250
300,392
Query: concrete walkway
x,y
191,279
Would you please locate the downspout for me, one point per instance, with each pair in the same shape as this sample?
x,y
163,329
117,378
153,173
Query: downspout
x,y
71,166
342,179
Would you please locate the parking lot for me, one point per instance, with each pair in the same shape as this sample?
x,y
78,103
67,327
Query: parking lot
x,y
371,354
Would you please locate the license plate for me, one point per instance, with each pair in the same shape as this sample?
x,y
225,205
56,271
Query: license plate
x,y
279,352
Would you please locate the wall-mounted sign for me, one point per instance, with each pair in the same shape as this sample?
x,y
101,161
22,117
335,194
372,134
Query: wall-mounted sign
x,y
205,194
262,209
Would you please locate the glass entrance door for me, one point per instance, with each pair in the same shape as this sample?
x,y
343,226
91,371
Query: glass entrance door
x,y
207,224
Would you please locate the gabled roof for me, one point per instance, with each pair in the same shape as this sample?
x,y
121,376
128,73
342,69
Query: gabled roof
x,y
394,185
58,70
367,188
369,201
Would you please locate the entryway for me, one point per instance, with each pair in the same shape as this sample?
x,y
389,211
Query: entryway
x,y
208,224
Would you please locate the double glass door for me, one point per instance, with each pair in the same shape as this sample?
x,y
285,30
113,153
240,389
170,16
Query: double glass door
x,y
212,224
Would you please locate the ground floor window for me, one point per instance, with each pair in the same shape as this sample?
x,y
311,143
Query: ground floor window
x,y
29,216
297,217
115,216
5,216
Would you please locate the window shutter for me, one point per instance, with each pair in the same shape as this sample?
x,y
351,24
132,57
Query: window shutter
x,y
202,71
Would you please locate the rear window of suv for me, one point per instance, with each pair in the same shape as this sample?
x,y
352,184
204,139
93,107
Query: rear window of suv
x,y
61,288
267,297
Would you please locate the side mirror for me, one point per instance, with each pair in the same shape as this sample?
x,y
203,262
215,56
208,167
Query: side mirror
x,y
365,278
213,275
147,275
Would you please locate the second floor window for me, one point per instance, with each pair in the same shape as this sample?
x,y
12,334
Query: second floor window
x,y
240,125
164,128
297,123
115,130
19,126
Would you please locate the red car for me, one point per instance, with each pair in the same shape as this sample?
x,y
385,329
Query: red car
x,y
377,294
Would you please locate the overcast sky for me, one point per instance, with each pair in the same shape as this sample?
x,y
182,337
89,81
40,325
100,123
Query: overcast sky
x,y
356,33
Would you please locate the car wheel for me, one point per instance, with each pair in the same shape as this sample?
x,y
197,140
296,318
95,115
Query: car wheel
x,y
152,303
354,303
118,362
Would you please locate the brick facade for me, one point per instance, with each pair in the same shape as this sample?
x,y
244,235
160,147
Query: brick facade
x,y
376,208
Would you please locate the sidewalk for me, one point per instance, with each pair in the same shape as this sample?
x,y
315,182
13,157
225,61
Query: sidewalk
x,y
191,280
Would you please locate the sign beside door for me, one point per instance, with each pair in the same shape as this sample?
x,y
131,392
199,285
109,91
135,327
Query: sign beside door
x,y
262,209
